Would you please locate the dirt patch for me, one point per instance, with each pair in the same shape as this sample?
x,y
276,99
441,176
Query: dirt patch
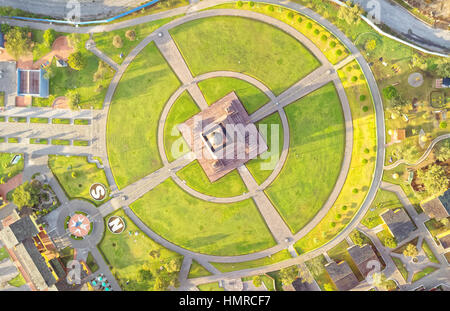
x,y
61,102
23,101
60,48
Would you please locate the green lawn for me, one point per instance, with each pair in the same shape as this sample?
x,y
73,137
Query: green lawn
x,y
277,257
127,254
216,88
103,40
81,122
139,99
60,121
401,267
359,177
197,270
92,94
201,226
426,248
262,166
317,268
7,170
39,120
76,176
418,275
244,45
91,263
3,254
17,281
228,186
210,287
183,108
39,141
61,142
383,200
316,149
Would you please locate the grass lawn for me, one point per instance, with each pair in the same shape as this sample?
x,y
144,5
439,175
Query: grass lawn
x,y
359,177
210,287
139,99
182,109
17,281
262,166
81,122
277,257
197,270
127,254
383,234
61,142
228,186
92,94
17,119
39,141
39,120
267,280
418,275
60,121
13,140
91,263
340,253
319,35
244,45
103,40
2,99
205,227
3,254
316,149
317,268
216,88
7,170
401,267
76,176
383,200
426,248
437,228
81,143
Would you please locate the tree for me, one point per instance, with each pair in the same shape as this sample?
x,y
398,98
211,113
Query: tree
x,y
160,284
410,251
117,42
26,194
74,99
390,92
289,274
390,242
434,179
257,282
370,45
419,62
49,37
350,13
173,266
305,276
17,42
49,72
398,102
75,41
77,61
130,35
443,67
144,275
442,151
357,238
380,280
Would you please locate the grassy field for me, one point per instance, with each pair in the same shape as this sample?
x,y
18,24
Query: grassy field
x,y
262,166
216,88
128,253
317,268
401,267
76,176
103,40
319,35
359,176
228,186
426,248
3,254
139,99
197,270
210,287
383,200
277,257
7,170
244,45
316,149
91,93
183,108
201,226
418,275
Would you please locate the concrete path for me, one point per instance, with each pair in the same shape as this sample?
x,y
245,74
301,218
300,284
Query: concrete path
x,y
90,46
423,157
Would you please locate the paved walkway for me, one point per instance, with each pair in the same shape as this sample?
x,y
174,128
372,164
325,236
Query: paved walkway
x,y
423,157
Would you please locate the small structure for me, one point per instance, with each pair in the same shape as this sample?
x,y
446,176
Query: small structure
x,y
79,225
398,135
61,62
438,207
399,223
364,258
32,83
443,83
222,137
342,276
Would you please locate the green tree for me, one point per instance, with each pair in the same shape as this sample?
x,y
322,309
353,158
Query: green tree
x,y
17,42
257,281
443,67
173,265
350,13
74,99
390,242
370,45
434,179
442,151
26,195
357,238
390,92
410,250
77,61
49,37
289,274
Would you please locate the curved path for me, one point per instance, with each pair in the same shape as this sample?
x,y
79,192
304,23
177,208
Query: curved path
x,y
423,157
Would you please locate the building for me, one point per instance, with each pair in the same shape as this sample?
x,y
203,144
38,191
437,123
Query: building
x,y
222,137
399,223
398,135
342,276
32,251
438,207
364,257
32,83
443,83
444,239
61,62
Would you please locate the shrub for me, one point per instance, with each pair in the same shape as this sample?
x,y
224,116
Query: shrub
x,y
316,32
365,161
365,108
390,242
299,19
338,216
362,98
332,44
271,8
344,208
355,190
240,3
354,78
117,42
324,38
49,37
74,175
443,125
130,35
366,150
252,4
333,224
309,25
77,61
390,92
370,45
290,15
338,52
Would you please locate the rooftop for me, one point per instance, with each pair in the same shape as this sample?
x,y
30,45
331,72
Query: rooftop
x,y
438,207
32,82
362,257
399,223
342,276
